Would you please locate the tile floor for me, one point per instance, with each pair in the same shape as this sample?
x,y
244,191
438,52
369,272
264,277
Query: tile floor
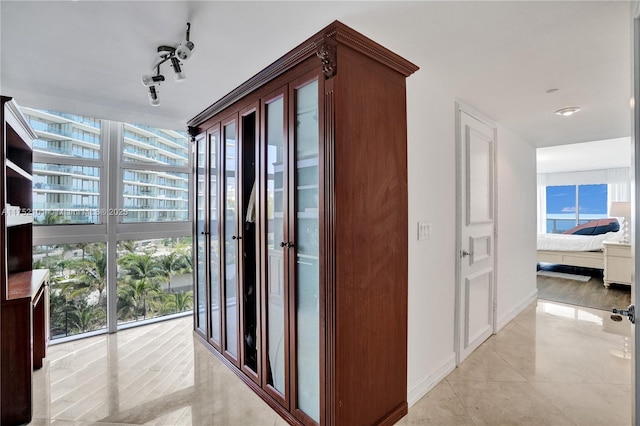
x,y
553,365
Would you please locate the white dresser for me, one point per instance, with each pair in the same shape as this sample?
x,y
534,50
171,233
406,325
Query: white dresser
x,y
618,264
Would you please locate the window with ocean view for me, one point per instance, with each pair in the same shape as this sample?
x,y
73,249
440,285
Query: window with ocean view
x,y
572,205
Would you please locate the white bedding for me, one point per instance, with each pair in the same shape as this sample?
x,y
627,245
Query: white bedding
x,y
568,242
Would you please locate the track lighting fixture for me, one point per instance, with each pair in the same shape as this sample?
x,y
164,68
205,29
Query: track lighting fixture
x,y
175,63
168,53
151,80
153,96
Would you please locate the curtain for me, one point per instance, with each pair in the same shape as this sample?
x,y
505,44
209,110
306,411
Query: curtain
x,y
542,203
618,185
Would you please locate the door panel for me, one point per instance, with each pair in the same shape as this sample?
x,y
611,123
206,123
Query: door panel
x,y
230,239
200,240
476,149
479,190
306,223
479,314
276,291
214,241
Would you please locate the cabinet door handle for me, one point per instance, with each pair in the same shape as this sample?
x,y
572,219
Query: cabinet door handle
x,y
236,237
283,244
290,245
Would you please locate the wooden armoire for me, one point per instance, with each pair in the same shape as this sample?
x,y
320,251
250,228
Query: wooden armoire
x,y
300,231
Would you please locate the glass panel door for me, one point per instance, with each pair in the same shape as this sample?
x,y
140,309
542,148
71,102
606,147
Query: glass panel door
x,y
230,240
214,241
201,237
307,249
276,341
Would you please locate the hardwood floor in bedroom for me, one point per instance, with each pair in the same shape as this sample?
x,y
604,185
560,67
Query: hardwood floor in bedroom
x,y
591,294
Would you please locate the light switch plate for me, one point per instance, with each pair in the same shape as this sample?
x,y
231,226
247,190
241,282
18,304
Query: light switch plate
x,y
424,230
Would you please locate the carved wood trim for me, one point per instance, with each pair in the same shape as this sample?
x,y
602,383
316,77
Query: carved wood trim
x,y
328,56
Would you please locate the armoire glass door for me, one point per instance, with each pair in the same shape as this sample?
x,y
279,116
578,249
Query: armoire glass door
x,y
230,240
201,237
214,240
307,278
276,242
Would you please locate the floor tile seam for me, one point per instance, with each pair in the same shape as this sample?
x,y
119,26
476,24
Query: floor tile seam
x,y
569,382
533,389
486,381
511,366
462,404
559,408
62,397
169,354
85,379
175,328
91,422
73,353
75,404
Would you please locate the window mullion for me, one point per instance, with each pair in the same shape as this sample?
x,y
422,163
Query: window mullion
x,y
112,149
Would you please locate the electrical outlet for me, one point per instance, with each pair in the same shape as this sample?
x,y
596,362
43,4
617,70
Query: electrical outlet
x,y
424,230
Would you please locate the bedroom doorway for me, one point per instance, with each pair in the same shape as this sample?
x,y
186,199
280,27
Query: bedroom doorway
x,y
475,241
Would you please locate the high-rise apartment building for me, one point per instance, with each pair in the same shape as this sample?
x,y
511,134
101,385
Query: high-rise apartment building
x,y
69,192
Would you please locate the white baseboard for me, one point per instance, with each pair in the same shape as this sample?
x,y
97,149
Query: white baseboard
x,y
506,319
424,385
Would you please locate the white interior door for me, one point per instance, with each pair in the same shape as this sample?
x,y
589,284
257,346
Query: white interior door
x,y
476,225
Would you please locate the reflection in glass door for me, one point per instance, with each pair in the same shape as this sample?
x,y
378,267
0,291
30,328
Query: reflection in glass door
x,y
230,240
201,316
214,242
276,340
307,249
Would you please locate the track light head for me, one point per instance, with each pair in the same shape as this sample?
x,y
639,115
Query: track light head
x,y
179,74
183,51
153,96
151,80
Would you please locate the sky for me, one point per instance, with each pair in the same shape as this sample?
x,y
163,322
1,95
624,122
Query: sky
x,y
562,199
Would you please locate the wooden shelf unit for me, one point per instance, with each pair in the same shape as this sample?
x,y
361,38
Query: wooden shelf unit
x,y
24,297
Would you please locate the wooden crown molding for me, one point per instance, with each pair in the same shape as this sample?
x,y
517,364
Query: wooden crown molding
x,y
324,45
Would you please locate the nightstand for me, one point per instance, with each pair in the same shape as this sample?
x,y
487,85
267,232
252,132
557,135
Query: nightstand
x,y
618,265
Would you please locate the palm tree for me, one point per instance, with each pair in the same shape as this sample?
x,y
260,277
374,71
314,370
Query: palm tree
x,y
52,218
171,264
94,273
129,246
85,317
141,281
179,302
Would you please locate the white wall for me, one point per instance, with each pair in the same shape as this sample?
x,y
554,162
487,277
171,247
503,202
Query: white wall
x,y
432,197
517,222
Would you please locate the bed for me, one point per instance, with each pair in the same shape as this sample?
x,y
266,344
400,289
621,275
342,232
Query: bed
x,y
574,250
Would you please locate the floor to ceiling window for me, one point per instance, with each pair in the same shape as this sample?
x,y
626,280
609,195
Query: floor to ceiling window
x,y
572,205
112,221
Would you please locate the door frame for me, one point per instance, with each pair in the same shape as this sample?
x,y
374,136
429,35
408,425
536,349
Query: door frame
x,y
635,197
459,108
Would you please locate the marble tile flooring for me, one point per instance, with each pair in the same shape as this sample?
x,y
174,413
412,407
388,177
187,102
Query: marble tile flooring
x,y
553,365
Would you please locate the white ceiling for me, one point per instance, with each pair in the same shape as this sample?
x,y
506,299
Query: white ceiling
x,y
498,57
